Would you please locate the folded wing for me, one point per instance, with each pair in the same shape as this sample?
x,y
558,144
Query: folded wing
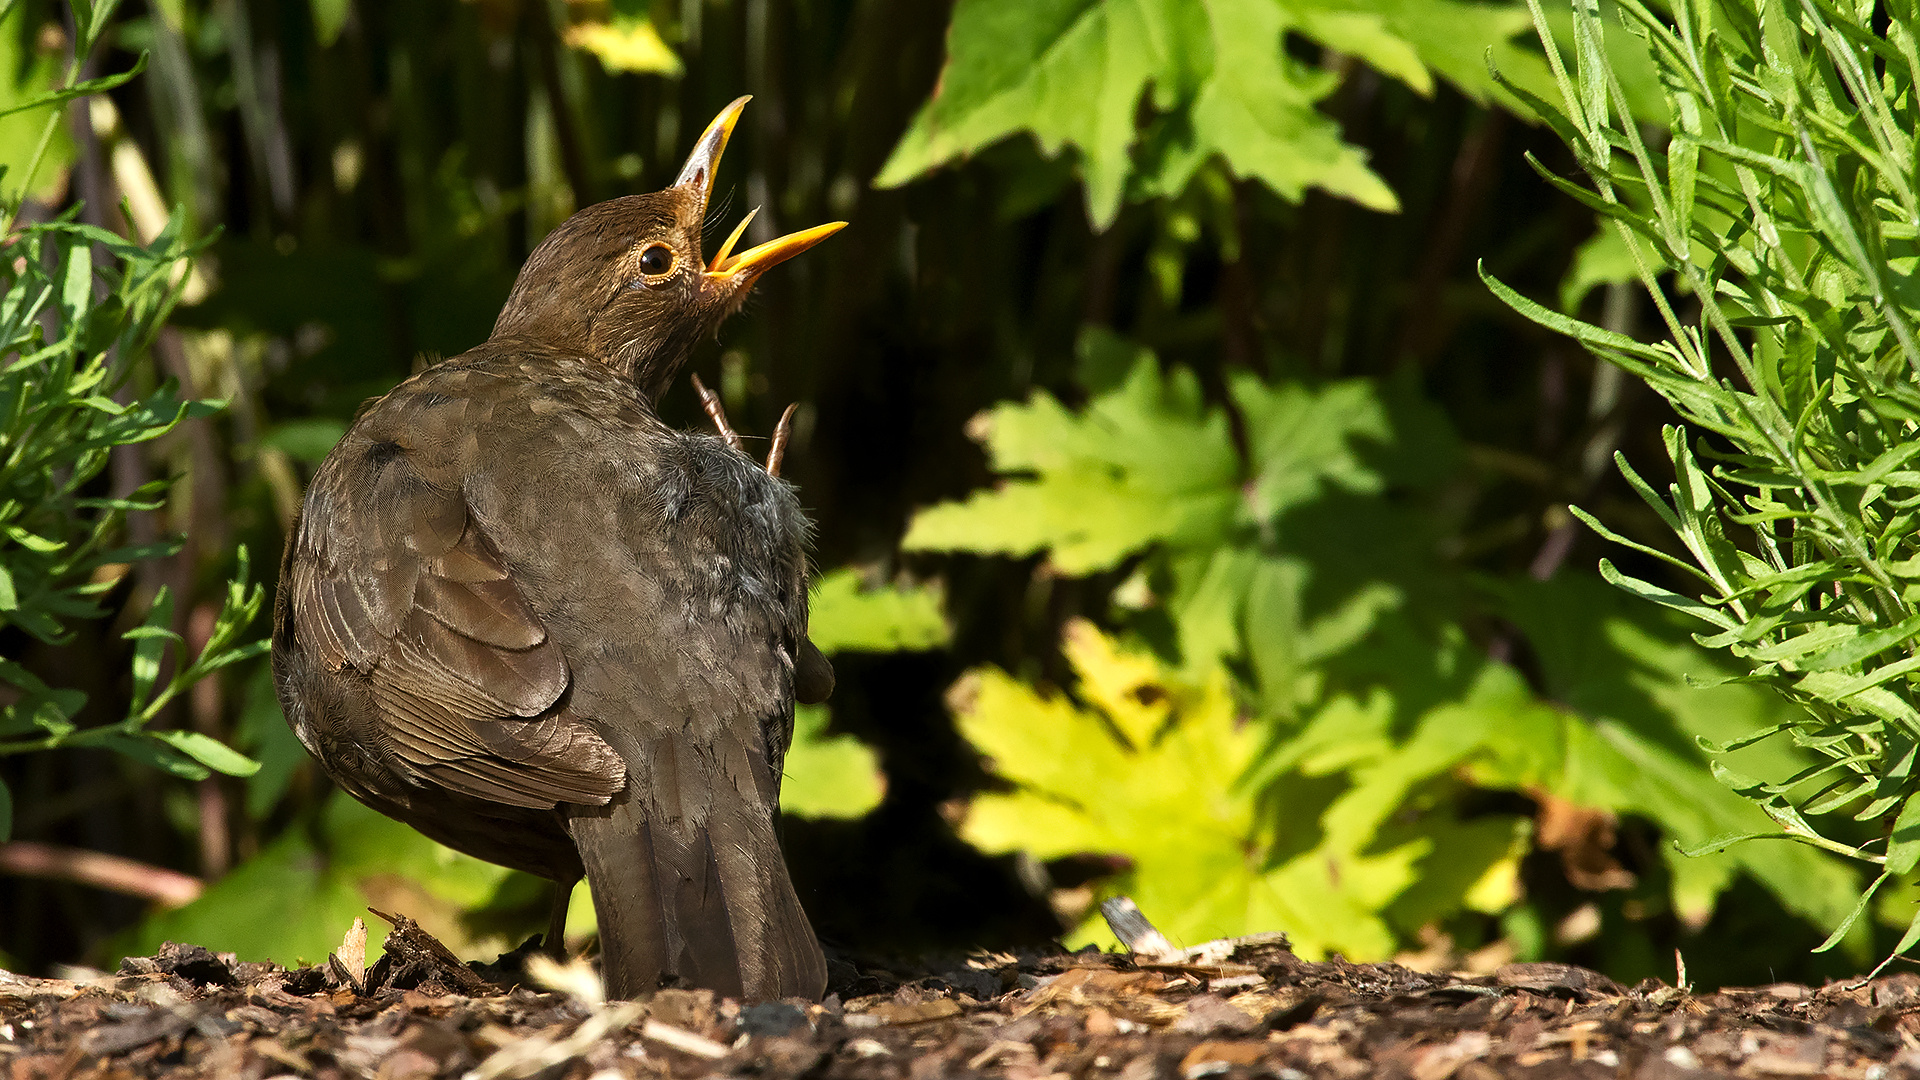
x,y
400,583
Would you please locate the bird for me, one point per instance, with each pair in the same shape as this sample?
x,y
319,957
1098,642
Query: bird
x,y
523,615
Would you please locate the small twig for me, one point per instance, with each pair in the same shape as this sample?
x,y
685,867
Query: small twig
x,y
168,888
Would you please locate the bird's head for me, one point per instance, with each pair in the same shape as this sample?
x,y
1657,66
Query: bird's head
x,y
626,282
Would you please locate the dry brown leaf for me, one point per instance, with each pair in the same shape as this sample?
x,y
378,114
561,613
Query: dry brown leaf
x,y
1584,837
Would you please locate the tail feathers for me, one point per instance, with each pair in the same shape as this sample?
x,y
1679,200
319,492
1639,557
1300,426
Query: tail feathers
x,y
689,881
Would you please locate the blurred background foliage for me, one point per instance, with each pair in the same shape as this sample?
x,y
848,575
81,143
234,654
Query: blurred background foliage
x,y
1195,517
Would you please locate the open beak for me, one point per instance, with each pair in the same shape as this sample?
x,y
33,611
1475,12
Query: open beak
x,y
726,267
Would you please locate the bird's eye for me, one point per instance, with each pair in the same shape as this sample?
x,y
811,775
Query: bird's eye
x,y
656,260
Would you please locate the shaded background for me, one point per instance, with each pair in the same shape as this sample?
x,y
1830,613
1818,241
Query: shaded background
x,y
374,173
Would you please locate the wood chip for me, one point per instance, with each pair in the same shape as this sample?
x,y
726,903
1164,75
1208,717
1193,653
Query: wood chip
x,y
683,1040
1220,1053
189,1013
895,1013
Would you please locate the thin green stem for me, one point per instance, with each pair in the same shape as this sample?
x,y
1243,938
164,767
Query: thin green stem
x,y
40,148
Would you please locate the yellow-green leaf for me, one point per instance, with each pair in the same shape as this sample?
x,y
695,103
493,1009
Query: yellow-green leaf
x,y
829,776
625,43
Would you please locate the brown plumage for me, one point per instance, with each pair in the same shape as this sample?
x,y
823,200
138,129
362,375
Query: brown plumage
x,y
524,616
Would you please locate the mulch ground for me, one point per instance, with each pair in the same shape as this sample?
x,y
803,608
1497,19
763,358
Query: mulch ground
x,y
1234,1009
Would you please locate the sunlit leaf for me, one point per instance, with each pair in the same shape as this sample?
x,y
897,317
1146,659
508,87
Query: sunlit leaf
x,y
150,751
293,901
329,18
1159,802
846,616
1146,462
834,776
209,751
622,36
150,645
1078,73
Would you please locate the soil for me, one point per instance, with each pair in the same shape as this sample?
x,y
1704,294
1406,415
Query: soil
x,y
1232,1010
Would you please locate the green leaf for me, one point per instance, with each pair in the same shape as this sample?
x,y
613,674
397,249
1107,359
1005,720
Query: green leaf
x,y
151,639
1459,41
1863,646
1304,440
1255,110
1903,843
305,440
1586,333
1846,924
1631,670
78,90
1601,529
846,617
90,17
209,751
1073,74
625,39
1663,597
829,776
76,284
329,18
147,749
25,76
1135,771
32,542
1142,464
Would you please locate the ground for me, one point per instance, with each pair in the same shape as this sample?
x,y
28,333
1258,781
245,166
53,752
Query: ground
x,y
1235,1009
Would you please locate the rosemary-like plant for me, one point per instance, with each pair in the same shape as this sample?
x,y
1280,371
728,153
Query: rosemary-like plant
x,y
72,330
1775,227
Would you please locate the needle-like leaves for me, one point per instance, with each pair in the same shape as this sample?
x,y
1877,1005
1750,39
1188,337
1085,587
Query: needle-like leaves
x,y
1781,208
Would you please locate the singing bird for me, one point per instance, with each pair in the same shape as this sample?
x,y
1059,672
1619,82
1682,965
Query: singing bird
x,y
521,614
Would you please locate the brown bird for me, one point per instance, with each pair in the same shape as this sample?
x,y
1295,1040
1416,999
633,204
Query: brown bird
x,y
521,614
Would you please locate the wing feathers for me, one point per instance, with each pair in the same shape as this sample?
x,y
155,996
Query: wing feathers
x,y
439,519
516,682
460,665
490,612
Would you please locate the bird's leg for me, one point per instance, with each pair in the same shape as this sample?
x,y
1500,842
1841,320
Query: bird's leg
x,y
777,453
556,943
710,401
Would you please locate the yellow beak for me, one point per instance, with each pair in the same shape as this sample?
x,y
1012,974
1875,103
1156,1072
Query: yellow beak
x,y
698,174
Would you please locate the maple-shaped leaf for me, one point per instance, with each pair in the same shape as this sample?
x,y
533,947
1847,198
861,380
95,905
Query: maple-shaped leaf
x,y
290,902
829,776
1142,766
1149,462
838,776
1145,462
1075,73
1411,40
848,616
622,34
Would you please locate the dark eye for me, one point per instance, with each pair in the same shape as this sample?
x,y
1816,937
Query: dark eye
x,y
656,260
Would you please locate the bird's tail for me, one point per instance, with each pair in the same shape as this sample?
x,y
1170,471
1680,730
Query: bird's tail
x,y
688,878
